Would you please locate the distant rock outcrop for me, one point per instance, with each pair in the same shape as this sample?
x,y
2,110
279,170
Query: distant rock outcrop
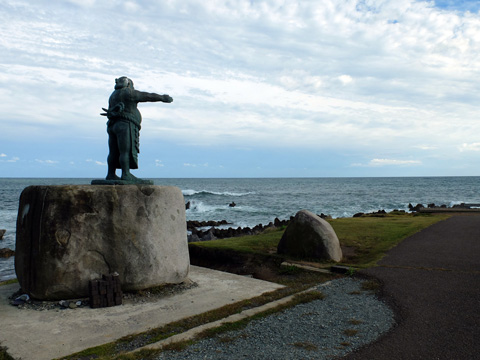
x,y
309,236
6,253
2,232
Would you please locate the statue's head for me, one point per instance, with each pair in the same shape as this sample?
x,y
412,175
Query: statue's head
x,y
123,82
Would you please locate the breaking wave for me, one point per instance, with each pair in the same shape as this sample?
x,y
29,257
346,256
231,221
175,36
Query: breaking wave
x,y
190,192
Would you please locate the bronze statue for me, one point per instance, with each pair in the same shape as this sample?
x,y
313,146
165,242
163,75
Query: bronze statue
x,y
123,129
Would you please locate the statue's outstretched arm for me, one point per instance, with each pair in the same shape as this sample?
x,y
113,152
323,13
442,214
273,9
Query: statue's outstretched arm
x,y
152,97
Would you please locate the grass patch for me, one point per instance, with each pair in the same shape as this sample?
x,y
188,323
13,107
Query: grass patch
x,y
290,270
305,345
370,285
4,354
178,346
8,282
97,352
225,339
371,237
350,332
265,243
355,321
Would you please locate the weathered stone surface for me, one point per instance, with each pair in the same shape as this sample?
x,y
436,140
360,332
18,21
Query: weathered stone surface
x,y
309,236
69,235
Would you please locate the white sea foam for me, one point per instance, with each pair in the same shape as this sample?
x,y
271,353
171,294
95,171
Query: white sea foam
x,y
191,192
197,206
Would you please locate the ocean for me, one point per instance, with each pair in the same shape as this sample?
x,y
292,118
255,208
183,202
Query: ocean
x,y
260,201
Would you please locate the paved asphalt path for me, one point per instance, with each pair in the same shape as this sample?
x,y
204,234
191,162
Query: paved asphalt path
x,y
432,279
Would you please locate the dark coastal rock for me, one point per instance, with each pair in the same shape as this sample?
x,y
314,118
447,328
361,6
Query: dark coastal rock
x,y
215,233
418,207
192,224
415,208
209,235
193,238
309,236
6,253
2,232
69,235
379,213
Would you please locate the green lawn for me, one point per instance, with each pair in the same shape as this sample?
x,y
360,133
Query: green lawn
x,y
371,237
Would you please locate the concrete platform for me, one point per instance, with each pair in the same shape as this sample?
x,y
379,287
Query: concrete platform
x,y
32,334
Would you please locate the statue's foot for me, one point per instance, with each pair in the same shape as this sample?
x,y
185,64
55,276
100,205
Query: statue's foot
x,y
129,177
134,180
112,177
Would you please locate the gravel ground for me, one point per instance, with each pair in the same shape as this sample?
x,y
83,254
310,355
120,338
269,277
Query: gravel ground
x,y
346,319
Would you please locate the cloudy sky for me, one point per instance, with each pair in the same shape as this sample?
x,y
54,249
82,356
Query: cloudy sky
x,y
274,88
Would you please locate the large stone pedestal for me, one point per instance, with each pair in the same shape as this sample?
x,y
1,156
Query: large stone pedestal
x,y
68,235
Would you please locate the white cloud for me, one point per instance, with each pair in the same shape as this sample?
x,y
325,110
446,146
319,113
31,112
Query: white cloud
x,y
83,3
195,165
426,147
387,162
50,162
13,159
159,163
345,79
469,147
96,162
3,155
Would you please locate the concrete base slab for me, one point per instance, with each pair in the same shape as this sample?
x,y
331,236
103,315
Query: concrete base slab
x,y
31,334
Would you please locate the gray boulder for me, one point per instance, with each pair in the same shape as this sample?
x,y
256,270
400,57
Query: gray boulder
x,y
68,235
309,236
